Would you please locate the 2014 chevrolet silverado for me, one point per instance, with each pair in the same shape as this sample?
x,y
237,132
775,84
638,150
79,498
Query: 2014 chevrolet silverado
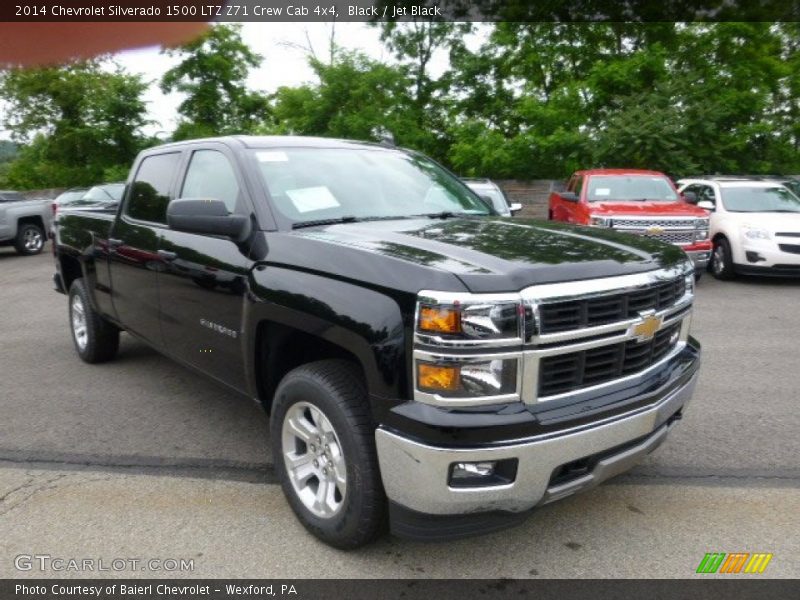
x,y
419,356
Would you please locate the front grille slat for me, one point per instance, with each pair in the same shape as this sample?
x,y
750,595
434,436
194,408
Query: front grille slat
x,y
564,373
593,312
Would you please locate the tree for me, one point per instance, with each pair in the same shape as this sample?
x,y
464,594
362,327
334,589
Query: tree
x,y
213,76
354,96
77,124
414,44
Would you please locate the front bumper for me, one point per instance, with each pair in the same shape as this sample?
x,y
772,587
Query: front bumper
x,y
700,258
415,475
767,258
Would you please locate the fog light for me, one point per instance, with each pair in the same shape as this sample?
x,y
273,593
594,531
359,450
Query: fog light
x,y
483,473
478,469
437,378
753,256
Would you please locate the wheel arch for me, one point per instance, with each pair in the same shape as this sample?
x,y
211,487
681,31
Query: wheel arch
x,y
304,317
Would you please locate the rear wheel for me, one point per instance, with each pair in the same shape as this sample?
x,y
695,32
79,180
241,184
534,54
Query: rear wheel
x,y
324,447
722,260
30,239
96,340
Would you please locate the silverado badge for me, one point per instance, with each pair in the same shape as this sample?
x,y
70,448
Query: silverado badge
x,y
654,230
645,329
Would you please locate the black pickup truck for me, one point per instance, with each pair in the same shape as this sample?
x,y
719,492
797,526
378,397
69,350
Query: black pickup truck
x,y
424,361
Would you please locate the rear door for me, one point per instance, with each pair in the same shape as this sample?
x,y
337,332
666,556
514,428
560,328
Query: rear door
x,y
203,284
133,245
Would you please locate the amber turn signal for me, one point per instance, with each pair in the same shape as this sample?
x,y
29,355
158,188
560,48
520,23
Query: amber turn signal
x,y
437,377
439,319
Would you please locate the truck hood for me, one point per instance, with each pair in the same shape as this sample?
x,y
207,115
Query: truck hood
x,y
647,209
476,254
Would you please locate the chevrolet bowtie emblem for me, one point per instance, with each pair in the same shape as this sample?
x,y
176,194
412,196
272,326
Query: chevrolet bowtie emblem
x,y
655,230
646,328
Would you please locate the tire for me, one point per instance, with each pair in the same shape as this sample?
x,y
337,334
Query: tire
x,y
697,276
96,340
30,239
722,260
328,397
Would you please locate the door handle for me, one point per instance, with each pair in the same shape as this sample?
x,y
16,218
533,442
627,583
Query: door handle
x,y
167,255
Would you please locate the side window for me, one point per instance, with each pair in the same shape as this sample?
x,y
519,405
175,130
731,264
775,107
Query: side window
x,y
211,175
706,192
577,185
149,193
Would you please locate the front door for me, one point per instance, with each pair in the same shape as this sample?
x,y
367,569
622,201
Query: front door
x,y
204,281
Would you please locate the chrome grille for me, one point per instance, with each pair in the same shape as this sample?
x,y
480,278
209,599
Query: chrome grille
x,y
645,223
575,370
600,310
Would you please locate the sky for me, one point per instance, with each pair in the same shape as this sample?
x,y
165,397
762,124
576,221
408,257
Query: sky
x,y
284,48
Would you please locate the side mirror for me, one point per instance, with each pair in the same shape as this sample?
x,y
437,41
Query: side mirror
x,y
209,217
569,196
690,197
707,205
515,207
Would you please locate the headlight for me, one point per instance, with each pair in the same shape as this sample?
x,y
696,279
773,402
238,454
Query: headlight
x,y
446,325
467,379
595,221
470,320
701,229
755,233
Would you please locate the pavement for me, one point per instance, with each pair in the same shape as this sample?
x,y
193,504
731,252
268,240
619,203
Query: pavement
x,y
141,458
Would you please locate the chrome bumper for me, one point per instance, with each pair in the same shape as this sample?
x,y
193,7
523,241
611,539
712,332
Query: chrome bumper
x,y
415,475
700,258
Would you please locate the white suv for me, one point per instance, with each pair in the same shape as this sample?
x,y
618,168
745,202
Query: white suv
x,y
755,225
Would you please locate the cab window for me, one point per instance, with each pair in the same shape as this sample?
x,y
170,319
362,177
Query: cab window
x,y
211,175
150,191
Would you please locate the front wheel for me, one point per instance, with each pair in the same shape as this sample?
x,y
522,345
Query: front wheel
x,y
324,450
30,239
96,340
722,260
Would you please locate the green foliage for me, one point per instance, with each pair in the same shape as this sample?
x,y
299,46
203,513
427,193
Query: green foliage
x,y
73,123
354,96
213,76
539,99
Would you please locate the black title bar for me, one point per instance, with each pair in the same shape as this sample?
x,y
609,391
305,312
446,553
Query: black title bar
x,y
398,10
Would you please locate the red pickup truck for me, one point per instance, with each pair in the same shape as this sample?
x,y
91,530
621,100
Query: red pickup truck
x,y
634,201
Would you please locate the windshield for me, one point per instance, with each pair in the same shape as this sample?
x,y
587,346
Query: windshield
x,y
760,199
311,184
105,195
794,186
630,188
496,197
70,196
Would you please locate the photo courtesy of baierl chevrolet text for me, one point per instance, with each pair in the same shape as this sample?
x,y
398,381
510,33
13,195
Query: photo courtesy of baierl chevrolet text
x,y
394,299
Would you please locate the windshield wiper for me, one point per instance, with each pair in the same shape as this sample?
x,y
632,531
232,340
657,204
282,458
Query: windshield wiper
x,y
445,214
332,221
349,219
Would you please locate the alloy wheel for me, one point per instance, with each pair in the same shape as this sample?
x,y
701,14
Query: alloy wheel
x,y
314,460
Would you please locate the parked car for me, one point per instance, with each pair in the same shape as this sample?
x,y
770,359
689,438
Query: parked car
x,y
491,192
23,223
67,197
417,357
755,225
634,201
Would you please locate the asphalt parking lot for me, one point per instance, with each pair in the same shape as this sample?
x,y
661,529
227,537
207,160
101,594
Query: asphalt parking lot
x,y
142,458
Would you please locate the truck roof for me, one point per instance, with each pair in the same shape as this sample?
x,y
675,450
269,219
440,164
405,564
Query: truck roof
x,y
619,172
280,141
